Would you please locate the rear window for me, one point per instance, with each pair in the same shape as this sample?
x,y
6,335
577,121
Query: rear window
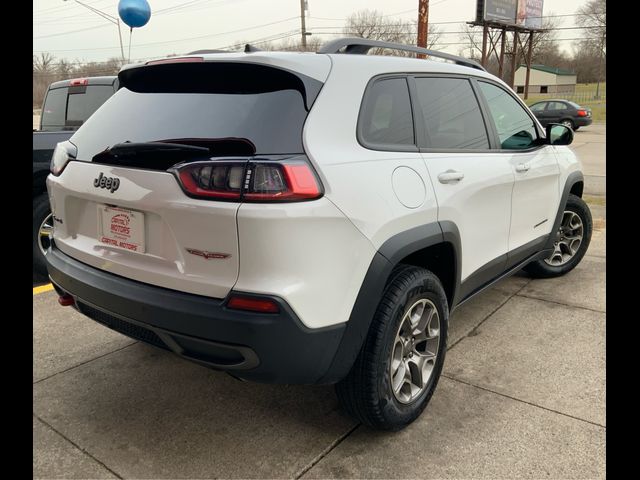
x,y
82,105
54,108
250,105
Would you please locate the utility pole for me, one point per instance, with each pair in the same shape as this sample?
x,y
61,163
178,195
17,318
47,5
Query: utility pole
x,y
303,24
108,17
600,67
423,24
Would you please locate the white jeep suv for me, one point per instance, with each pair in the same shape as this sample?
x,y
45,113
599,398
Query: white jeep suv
x,y
310,217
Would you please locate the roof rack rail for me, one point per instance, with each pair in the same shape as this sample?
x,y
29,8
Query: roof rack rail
x,y
363,45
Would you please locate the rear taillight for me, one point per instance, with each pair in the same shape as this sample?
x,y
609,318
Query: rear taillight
x,y
582,113
254,181
216,180
63,152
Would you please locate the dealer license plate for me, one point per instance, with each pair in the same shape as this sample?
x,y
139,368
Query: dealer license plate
x,y
122,228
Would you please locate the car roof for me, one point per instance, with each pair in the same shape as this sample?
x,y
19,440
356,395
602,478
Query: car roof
x,y
318,65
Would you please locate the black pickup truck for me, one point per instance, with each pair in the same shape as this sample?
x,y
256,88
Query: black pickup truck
x,y
67,105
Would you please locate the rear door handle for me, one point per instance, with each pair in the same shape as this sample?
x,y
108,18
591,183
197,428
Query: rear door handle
x,y
450,176
523,167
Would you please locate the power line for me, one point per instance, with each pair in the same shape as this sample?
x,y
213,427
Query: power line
x,y
177,40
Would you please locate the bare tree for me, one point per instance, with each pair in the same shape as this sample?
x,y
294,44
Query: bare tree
x,y
373,25
591,53
592,16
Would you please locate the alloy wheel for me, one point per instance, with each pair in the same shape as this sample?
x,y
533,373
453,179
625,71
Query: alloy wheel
x,y
568,239
415,351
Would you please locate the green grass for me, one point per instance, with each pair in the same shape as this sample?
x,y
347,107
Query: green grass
x,y
590,87
600,200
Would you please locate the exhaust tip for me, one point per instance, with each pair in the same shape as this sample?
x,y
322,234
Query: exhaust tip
x,y
66,300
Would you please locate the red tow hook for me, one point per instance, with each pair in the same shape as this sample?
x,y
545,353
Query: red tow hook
x,y
66,300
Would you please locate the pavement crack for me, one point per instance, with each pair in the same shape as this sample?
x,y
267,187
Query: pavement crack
x,y
84,363
78,446
326,451
560,303
524,401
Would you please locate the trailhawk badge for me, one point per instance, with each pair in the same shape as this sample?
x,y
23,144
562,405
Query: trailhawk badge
x,y
207,255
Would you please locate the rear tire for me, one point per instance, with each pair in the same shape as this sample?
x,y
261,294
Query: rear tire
x,y
576,226
398,367
41,211
568,123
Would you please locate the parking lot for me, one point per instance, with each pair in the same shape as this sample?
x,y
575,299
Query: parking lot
x,y
522,393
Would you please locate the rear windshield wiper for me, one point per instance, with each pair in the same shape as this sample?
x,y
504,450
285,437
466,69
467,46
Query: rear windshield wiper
x,y
129,148
151,155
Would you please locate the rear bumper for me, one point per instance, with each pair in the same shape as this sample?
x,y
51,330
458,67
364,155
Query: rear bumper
x,y
270,348
583,121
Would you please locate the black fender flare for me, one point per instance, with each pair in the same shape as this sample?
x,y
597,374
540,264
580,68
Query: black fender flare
x,y
384,260
572,179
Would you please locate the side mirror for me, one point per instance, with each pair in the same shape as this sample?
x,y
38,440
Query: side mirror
x,y
559,134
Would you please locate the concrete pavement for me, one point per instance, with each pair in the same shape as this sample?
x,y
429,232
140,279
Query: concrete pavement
x,y
522,395
590,145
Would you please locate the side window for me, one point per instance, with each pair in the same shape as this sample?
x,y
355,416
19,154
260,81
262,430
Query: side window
x,y
557,106
386,118
452,116
515,127
538,107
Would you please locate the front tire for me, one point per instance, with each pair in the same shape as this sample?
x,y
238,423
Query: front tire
x,y
398,367
42,227
571,241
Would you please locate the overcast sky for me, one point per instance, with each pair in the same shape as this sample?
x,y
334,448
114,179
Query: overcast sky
x,y
71,31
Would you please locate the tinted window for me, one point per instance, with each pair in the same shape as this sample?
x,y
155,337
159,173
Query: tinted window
x,y
538,107
574,105
232,109
54,108
557,106
451,114
269,122
82,105
386,116
516,129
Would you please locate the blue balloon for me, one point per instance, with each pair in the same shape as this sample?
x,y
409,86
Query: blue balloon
x,y
135,13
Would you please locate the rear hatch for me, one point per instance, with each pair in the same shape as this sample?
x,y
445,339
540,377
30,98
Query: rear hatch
x,y
132,202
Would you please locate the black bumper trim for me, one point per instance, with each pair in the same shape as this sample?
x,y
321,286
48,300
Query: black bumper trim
x,y
270,348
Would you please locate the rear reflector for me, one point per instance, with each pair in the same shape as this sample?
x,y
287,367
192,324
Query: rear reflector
x,y
261,305
66,300
176,60
79,81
